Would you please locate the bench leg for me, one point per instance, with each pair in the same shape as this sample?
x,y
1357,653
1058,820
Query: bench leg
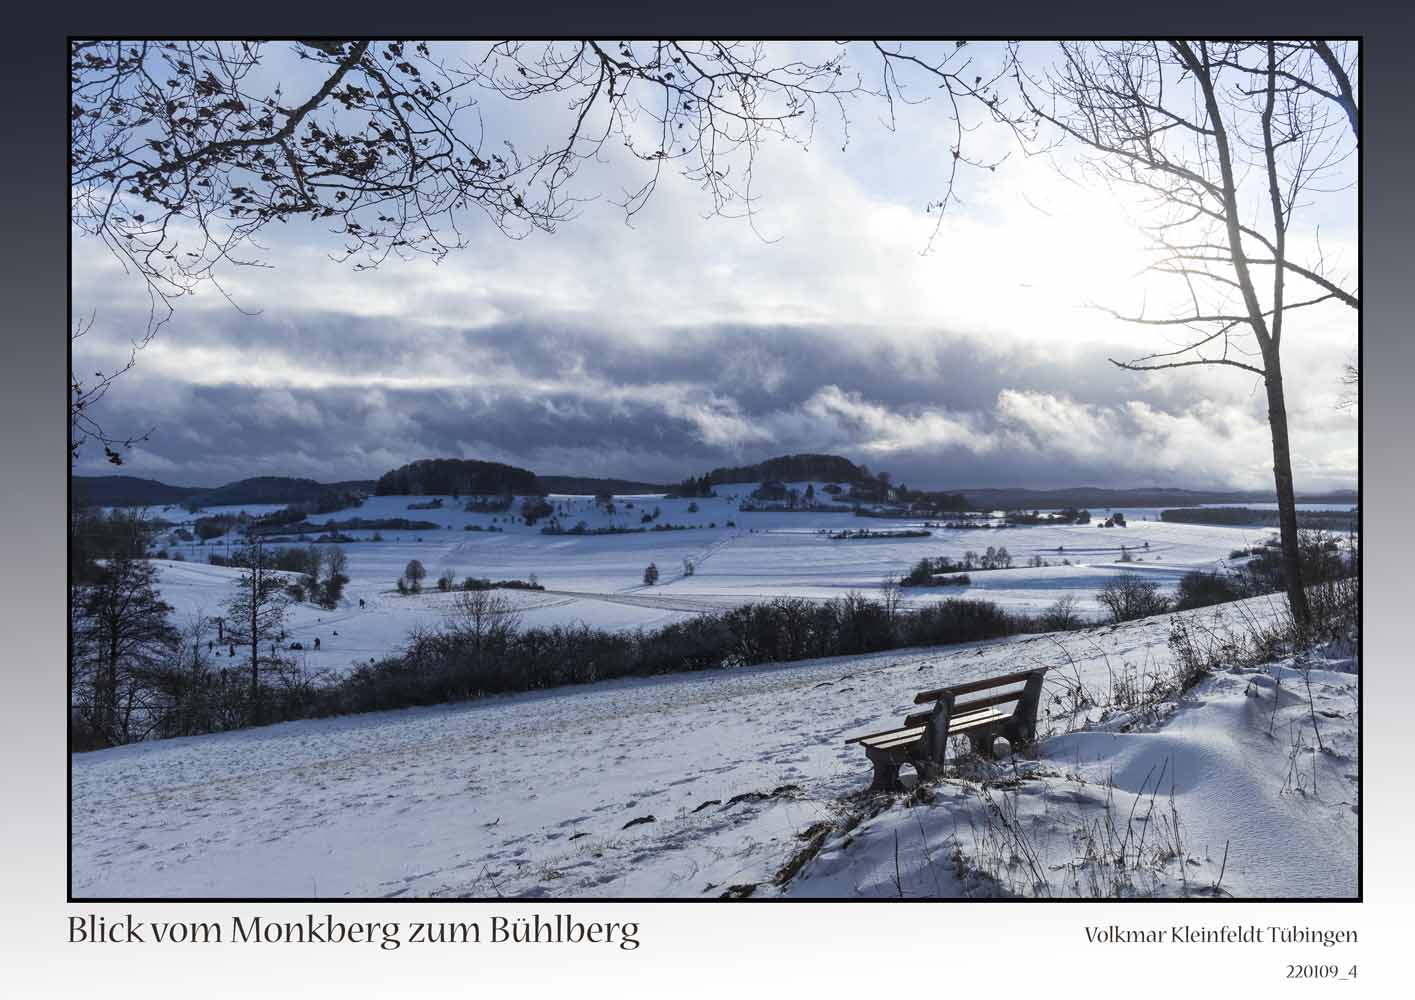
x,y
1021,731
886,776
982,744
1022,728
1019,735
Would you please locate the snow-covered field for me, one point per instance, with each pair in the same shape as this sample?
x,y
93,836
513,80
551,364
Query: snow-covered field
x,y
599,579
691,785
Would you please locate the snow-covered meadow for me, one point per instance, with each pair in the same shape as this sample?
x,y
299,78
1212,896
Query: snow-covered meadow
x,y
740,782
598,579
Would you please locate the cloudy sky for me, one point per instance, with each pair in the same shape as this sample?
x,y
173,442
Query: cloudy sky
x,y
678,343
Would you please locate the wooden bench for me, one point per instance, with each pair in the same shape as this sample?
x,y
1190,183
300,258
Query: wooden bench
x,y
923,739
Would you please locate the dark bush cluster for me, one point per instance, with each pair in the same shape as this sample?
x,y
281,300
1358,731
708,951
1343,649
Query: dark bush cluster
x,y
1324,559
926,572
582,528
476,583
535,508
208,528
495,656
335,528
1199,590
1068,515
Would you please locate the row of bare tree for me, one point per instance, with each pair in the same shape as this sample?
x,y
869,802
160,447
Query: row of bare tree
x,y
135,674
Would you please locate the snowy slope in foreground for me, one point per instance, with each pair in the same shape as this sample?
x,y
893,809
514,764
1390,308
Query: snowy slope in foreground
x,y
1206,803
692,784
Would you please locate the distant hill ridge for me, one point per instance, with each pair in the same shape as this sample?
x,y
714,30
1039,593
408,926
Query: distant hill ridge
x,y
448,475
128,491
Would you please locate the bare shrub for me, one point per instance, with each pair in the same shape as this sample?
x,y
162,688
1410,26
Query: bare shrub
x,y
484,619
1128,597
1062,615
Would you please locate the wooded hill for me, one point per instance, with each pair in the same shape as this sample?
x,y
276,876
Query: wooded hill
x,y
793,469
129,491
457,475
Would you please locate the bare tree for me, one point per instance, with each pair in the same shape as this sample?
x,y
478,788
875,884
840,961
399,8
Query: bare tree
x,y
414,573
484,619
256,612
1225,142
121,627
85,392
1351,380
336,561
182,152
891,595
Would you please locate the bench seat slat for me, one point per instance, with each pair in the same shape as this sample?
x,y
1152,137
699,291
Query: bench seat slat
x,y
894,736
974,721
900,744
919,718
871,737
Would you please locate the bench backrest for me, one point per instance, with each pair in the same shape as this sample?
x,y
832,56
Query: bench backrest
x,y
981,685
947,707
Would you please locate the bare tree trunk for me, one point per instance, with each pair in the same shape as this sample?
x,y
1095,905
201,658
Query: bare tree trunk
x,y
255,643
107,694
1286,499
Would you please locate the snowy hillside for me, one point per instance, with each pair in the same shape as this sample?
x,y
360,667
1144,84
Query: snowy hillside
x,y
740,782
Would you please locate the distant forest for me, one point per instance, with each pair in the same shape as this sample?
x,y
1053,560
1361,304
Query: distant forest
x,y
1327,520
129,491
793,469
457,475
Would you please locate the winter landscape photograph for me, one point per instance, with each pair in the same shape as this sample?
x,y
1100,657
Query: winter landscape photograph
x,y
714,470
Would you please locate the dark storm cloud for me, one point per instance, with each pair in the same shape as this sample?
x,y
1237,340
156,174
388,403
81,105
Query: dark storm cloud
x,y
937,411
762,367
